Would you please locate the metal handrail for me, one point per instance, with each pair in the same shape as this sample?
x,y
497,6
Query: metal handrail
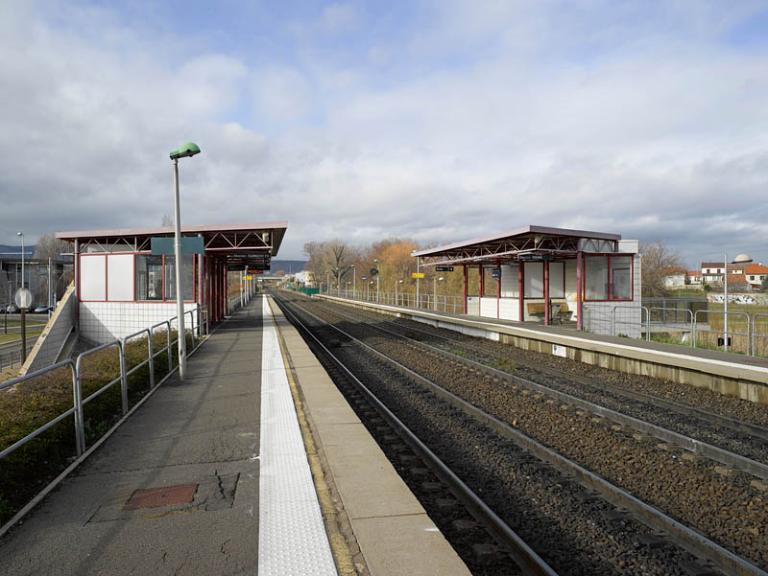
x,y
76,368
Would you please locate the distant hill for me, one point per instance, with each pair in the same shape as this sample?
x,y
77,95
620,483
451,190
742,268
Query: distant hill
x,y
287,266
5,249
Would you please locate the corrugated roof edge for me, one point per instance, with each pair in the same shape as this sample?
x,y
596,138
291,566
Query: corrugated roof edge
x,y
530,229
280,224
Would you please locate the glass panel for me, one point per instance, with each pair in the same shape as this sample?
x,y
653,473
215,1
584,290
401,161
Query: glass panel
x,y
149,277
533,279
187,277
509,281
491,284
557,279
621,277
596,278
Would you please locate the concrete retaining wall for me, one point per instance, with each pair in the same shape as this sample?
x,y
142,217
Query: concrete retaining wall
x,y
55,334
723,373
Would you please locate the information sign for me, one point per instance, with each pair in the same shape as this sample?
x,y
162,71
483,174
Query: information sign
x,y
163,246
444,268
417,275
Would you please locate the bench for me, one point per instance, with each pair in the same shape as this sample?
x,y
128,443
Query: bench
x,y
559,310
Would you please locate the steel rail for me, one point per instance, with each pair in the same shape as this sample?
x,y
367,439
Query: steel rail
x,y
523,554
699,447
688,538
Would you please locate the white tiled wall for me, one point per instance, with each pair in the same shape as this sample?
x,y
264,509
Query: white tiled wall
x,y
104,321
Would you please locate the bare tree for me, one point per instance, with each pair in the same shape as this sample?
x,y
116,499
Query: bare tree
x,y
49,247
657,262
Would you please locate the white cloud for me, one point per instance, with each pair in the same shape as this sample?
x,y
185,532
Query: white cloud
x,y
520,112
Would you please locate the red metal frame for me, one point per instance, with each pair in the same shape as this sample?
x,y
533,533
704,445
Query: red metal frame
x,y
545,273
466,288
521,290
579,290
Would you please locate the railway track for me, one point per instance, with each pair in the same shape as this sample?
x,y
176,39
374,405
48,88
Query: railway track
x,y
740,445
740,427
598,528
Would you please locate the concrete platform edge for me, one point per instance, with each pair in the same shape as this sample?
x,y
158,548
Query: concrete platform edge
x,y
386,529
726,376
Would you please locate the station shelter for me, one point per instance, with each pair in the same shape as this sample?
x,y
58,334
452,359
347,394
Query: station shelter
x,y
121,287
548,275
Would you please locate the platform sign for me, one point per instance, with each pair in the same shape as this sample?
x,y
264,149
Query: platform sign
x,y
444,268
417,275
163,246
248,277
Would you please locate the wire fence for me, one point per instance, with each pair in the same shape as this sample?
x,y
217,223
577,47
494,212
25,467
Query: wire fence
x,y
53,415
426,301
672,323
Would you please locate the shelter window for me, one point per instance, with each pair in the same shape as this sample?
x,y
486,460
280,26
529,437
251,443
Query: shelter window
x,y
557,279
149,277
608,277
533,280
187,277
621,277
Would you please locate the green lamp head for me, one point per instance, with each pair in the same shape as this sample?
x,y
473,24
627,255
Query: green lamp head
x,y
185,150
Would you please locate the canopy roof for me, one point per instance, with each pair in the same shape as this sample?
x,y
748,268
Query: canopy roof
x,y
241,244
526,243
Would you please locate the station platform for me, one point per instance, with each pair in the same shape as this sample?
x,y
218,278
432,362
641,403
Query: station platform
x,y
737,375
220,474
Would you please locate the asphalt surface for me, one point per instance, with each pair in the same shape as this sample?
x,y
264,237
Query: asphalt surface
x,y
193,450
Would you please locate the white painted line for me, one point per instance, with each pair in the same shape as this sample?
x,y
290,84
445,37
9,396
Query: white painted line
x,y
292,538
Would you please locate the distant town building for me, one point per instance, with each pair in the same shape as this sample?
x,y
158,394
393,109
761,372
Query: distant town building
x,y
756,274
306,278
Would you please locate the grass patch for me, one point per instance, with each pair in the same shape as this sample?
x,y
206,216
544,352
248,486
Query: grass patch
x,y
505,364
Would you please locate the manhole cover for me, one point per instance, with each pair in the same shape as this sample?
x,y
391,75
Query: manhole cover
x,y
160,497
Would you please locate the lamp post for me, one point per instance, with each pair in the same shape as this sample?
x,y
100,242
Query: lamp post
x,y
376,265
185,151
354,283
397,300
740,259
21,235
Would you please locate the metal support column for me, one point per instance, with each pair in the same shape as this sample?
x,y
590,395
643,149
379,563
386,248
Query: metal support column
x,y
466,287
547,311
579,289
521,290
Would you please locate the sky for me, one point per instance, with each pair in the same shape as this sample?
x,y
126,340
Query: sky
x,y
437,120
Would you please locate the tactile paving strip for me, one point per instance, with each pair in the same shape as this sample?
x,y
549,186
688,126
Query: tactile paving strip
x,y
292,538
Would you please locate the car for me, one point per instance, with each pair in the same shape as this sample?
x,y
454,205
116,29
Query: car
x,y
42,310
12,309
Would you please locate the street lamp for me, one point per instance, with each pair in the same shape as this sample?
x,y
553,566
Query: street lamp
x,y
740,259
376,265
354,283
397,300
21,235
185,151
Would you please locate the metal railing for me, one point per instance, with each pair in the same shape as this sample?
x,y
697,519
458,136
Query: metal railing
x,y
426,301
693,328
79,373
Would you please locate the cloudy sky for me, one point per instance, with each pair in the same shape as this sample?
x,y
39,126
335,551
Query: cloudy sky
x,y
432,119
